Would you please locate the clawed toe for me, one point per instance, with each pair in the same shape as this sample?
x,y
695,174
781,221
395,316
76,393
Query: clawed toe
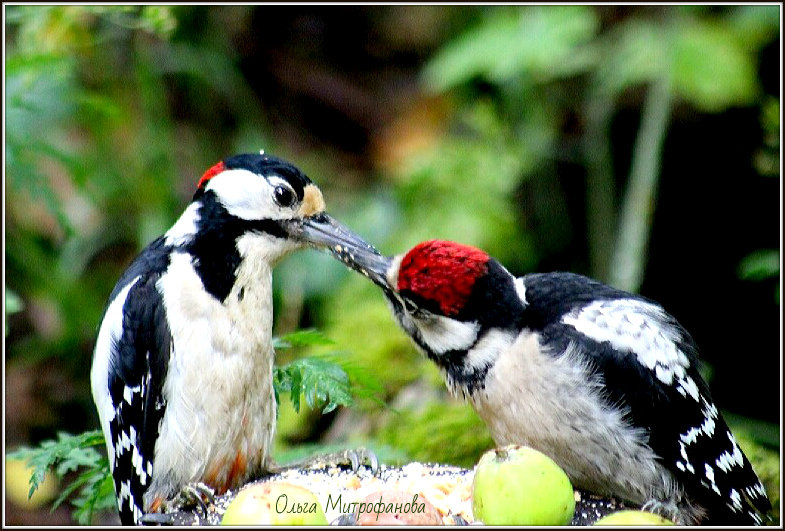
x,y
192,496
365,457
197,495
353,458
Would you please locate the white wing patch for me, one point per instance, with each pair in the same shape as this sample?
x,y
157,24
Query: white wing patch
x,y
710,477
639,327
736,499
707,428
729,459
684,465
126,494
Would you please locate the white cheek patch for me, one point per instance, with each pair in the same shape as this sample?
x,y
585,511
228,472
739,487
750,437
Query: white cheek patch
x,y
487,350
443,334
246,195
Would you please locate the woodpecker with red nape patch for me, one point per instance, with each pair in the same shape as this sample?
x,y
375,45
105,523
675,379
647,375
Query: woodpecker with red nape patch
x,y
182,373
603,381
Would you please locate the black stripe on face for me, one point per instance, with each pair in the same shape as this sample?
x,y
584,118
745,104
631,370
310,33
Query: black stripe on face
x,y
270,166
214,248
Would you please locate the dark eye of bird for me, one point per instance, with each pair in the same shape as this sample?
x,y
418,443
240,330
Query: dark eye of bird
x,y
284,196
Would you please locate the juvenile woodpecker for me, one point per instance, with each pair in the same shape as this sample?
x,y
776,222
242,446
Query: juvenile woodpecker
x,y
182,373
603,381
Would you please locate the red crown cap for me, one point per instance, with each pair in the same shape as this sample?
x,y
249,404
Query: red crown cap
x,y
442,271
214,170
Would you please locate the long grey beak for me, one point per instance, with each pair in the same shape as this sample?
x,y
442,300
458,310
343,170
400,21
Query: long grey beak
x,y
327,234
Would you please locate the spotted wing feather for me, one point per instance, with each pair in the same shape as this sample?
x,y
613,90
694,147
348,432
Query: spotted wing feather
x,y
138,364
650,368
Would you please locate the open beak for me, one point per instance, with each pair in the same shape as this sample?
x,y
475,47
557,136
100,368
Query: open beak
x,y
327,234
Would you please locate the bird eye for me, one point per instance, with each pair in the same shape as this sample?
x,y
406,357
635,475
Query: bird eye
x,y
284,196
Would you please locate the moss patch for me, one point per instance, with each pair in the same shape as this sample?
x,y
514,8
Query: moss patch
x,y
447,432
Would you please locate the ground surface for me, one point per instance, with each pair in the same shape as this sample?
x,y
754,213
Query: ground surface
x,y
446,488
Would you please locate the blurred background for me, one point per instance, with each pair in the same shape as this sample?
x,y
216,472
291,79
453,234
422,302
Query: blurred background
x,y
636,144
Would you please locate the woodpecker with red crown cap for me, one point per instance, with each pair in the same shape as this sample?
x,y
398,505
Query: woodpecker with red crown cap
x,y
182,373
603,381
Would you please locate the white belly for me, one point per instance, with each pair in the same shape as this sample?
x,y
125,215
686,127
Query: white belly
x,y
549,406
220,415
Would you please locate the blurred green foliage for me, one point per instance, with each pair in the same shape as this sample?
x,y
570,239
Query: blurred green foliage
x,y
69,454
13,304
326,381
425,431
112,113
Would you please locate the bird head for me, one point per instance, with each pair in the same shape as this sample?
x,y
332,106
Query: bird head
x,y
264,201
445,295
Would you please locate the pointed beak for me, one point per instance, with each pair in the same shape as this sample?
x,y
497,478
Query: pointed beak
x,y
327,234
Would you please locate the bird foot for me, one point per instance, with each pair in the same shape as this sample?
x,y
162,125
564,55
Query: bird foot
x,y
192,496
353,458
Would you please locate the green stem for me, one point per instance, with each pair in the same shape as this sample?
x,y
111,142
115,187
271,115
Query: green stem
x,y
629,256
600,186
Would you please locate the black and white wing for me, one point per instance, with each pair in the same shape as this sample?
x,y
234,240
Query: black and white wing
x,y
649,366
131,356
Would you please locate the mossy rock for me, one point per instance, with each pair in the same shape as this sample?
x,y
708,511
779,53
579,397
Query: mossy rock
x,y
440,432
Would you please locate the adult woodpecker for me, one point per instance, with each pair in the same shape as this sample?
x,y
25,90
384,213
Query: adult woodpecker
x,y
603,381
182,373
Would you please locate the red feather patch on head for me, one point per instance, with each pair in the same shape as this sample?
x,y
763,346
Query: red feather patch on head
x,y
443,272
210,173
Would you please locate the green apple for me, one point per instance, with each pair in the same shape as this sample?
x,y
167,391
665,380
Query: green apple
x,y
274,503
632,517
518,485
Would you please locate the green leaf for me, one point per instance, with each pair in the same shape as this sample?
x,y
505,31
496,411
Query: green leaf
x,y
66,454
770,116
636,52
711,61
158,20
98,495
760,265
755,26
544,41
79,482
323,383
710,68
